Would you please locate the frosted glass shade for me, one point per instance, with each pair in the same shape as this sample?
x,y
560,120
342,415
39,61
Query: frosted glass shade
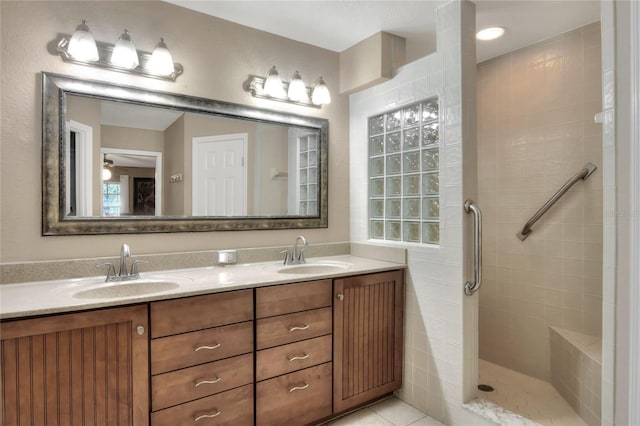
x,y
320,94
161,61
273,85
82,45
106,174
297,89
124,53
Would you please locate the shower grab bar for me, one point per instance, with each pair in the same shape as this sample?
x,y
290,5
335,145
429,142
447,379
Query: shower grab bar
x,y
472,287
583,174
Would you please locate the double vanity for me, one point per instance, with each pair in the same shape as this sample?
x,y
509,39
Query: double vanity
x,y
262,343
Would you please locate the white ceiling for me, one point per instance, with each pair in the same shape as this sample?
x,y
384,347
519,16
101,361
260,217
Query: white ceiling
x,y
132,160
137,116
339,24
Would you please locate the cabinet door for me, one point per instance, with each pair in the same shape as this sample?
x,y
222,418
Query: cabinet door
x,y
368,342
88,368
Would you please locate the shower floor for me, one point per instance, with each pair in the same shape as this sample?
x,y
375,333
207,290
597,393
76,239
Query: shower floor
x,y
532,398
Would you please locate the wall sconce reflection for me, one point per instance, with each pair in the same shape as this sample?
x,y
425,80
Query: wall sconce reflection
x,y
82,48
295,91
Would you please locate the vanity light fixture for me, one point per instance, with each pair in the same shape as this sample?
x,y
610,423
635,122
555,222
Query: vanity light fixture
x,y
321,95
293,92
124,53
490,33
161,61
297,90
82,45
273,84
81,48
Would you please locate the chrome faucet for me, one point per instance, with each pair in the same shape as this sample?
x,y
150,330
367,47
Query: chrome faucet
x,y
125,253
123,274
295,257
298,256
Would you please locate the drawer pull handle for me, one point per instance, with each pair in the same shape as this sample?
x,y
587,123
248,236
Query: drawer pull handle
x,y
295,388
299,327
208,382
217,345
304,356
208,416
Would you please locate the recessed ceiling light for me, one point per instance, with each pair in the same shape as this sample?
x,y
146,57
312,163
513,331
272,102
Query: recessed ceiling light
x,y
490,33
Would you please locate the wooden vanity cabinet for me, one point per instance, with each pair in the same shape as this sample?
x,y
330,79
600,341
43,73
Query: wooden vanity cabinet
x,y
88,368
368,337
293,356
314,349
202,360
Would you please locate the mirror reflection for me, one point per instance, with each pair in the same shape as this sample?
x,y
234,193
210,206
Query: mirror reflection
x,y
175,163
128,160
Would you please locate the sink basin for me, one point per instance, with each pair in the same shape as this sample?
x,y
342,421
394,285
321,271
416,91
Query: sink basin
x,y
132,288
313,268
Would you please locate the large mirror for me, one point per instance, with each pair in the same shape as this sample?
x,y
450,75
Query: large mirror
x,y
126,160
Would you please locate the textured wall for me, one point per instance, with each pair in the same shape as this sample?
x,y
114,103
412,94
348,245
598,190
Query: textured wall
x,y
217,56
535,130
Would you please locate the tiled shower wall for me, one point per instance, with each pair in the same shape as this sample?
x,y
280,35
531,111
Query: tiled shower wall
x,y
576,372
440,365
536,129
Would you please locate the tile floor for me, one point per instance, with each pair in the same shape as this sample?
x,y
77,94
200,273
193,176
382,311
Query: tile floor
x,y
390,412
532,398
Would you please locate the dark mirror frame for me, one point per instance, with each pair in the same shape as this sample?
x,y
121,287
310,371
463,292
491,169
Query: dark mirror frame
x,y
55,89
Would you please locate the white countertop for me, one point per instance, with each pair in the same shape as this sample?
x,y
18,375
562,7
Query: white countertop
x,y
48,297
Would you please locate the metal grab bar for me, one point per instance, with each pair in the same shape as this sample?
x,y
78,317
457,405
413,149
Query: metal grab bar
x,y
472,287
582,174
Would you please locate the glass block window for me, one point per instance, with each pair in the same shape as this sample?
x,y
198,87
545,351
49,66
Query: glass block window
x,y
111,198
308,172
404,179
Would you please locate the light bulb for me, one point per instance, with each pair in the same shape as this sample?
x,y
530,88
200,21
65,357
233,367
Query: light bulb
x,y
106,173
320,94
273,85
297,89
161,61
82,45
490,33
124,53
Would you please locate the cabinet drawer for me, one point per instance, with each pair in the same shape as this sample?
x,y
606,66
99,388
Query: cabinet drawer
x,y
296,398
198,347
290,328
199,312
294,356
288,298
179,386
232,408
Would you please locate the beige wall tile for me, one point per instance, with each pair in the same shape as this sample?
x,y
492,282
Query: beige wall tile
x,y
535,130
